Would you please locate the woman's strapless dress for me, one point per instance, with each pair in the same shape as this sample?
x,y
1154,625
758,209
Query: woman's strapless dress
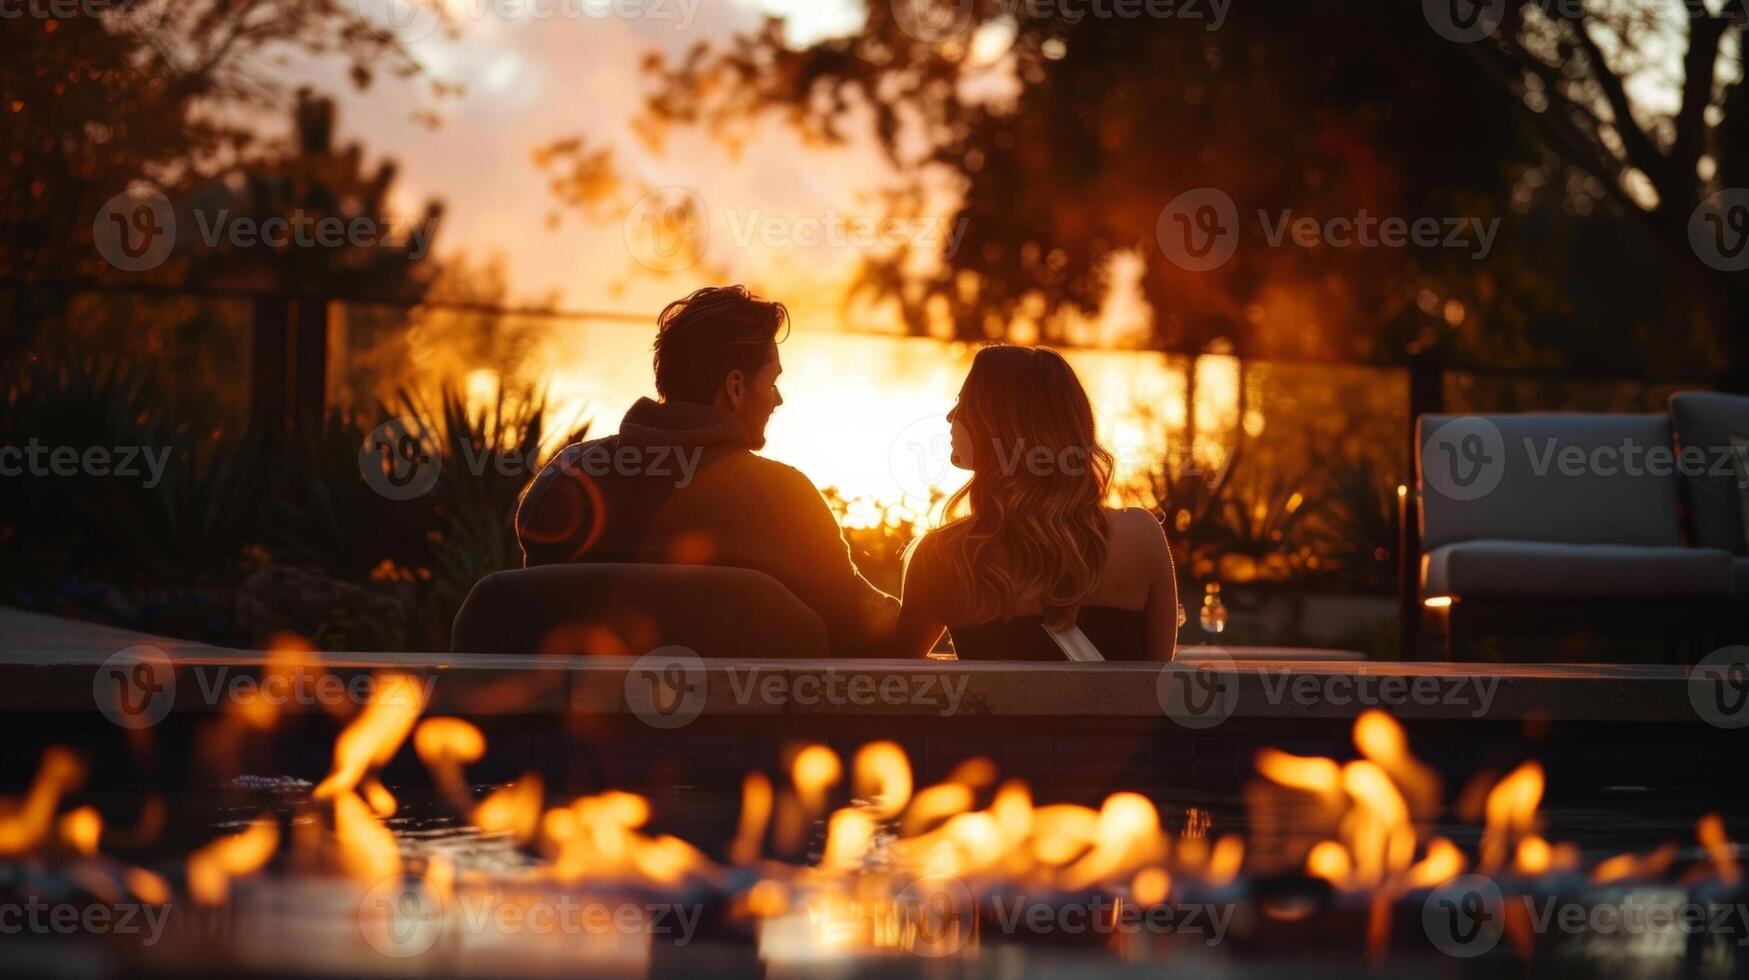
x,y
1119,634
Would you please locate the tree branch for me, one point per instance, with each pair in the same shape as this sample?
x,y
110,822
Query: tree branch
x,y
1697,93
1641,151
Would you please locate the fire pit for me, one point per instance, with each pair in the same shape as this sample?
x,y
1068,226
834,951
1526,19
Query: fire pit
x,y
449,815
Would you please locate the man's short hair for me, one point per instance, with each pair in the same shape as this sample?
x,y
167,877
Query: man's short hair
x,y
706,335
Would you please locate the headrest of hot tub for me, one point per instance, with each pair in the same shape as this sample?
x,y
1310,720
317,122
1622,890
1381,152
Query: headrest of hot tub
x,y
609,609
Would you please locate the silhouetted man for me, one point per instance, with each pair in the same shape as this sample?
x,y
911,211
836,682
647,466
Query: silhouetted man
x,y
679,483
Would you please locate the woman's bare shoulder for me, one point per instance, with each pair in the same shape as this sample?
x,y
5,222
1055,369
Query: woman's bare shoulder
x,y
1135,531
1133,522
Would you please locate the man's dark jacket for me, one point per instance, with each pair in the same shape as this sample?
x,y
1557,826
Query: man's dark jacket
x,y
678,485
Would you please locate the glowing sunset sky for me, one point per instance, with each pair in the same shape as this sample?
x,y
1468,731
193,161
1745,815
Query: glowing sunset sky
x,y
532,81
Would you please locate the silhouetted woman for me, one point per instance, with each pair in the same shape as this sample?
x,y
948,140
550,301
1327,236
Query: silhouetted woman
x,y
1037,568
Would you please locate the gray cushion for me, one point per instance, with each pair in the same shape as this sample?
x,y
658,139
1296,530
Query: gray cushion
x,y
1524,569
1535,492
1706,420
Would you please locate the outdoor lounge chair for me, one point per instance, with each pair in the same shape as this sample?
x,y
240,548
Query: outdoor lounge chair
x,y
630,610
1715,427
1568,538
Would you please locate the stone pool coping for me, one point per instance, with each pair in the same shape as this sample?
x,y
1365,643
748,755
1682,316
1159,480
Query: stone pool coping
x,y
49,665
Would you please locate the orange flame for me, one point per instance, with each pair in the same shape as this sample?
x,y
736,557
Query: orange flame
x,y
1062,831
1126,835
212,868
440,878
977,773
815,770
25,825
1151,886
445,745
597,837
1443,862
755,815
146,886
848,835
1711,834
368,852
1510,813
514,808
1625,867
934,805
81,829
1382,741
381,801
1012,809
375,735
1313,775
883,778
289,658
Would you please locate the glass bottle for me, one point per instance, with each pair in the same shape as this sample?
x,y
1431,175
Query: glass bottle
x,y
1214,613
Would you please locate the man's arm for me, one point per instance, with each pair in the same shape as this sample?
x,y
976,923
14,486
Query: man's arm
x,y
859,617
559,514
920,624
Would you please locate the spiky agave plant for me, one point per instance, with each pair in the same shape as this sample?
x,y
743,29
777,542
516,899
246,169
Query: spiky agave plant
x,y
490,453
151,496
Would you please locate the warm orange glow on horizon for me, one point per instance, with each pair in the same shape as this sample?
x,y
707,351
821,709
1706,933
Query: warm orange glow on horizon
x,y
866,414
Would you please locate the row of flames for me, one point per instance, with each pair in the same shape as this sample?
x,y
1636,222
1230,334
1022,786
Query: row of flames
x,y
1364,826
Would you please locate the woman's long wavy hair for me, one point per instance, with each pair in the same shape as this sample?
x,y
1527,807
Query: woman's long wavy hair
x,y
1034,529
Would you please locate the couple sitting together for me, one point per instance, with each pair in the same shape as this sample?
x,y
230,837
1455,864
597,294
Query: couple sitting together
x,y
1032,566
